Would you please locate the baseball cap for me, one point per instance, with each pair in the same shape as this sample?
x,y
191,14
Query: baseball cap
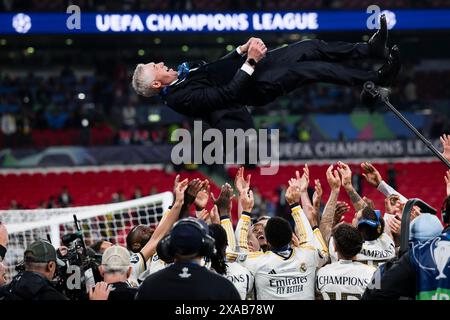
x,y
40,251
116,257
425,227
186,238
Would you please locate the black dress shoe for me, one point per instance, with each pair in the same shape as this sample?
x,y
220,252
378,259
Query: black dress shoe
x,y
378,42
389,71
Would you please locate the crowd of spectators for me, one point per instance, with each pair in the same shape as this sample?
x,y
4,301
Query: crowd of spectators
x,y
55,102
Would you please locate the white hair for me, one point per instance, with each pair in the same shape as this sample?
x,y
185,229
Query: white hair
x,y
142,80
115,269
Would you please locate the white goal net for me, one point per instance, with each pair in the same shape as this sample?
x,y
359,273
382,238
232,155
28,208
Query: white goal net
x,y
110,222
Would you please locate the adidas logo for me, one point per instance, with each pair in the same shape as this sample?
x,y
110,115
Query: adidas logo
x,y
273,271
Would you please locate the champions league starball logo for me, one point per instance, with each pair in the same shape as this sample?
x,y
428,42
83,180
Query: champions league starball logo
x,y
21,23
441,255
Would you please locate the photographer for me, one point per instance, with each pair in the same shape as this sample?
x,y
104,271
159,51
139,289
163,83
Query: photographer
x,y
34,283
115,269
3,244
188,244
2,274
3,240
422,273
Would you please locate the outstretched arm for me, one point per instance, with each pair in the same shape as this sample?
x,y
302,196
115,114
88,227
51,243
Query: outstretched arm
x,y
346,176
445,140
242,185
242,49
373,177
326,223
223,205
194,102
167,221
190,195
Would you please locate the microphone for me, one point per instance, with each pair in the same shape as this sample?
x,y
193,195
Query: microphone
x,y
371,93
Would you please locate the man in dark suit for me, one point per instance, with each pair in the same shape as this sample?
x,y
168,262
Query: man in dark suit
x,y
253,76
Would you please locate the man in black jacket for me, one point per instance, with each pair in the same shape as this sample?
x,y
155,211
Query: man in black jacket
x,y
34,283
254,77
116,269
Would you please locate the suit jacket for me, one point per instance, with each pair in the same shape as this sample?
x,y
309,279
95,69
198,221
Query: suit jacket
x,y
223,85
214,94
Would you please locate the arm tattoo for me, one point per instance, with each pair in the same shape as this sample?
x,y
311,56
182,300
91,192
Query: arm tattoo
x,y
326,223
358,202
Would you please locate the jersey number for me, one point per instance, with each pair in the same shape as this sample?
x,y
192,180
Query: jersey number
x,y
344,296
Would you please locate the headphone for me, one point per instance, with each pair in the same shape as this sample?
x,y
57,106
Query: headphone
x,y
166,250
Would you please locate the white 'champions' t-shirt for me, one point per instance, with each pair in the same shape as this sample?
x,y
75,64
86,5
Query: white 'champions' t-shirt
x,y
241,277
344,280
373,253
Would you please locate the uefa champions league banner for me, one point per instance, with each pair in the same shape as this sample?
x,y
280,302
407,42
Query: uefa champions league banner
x,y
123,155
294,21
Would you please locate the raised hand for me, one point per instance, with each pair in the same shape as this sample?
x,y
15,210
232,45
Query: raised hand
x,y
302,182
223,202
341,209
415,212
244,47
3,235
445,140
317,196
395,225
447,182
242,185
346,174
390,203
214,215
204,215
100,291
371,174
334,181
202,196
257,50
193,189
292,194
180,188
369,202
247,201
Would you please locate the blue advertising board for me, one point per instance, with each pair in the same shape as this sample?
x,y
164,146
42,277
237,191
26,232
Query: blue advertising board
x,y
150,22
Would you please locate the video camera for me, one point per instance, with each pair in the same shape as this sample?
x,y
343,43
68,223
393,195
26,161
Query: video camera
x,y
77,268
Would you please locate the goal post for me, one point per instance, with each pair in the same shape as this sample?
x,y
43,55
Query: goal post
x,y
110,222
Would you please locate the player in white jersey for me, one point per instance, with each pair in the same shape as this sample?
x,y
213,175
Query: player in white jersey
x,y
140,261
284,272
344,279
233,271
378,246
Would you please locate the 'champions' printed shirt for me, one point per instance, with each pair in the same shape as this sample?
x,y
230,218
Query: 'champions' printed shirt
x,y
344,280
373,253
